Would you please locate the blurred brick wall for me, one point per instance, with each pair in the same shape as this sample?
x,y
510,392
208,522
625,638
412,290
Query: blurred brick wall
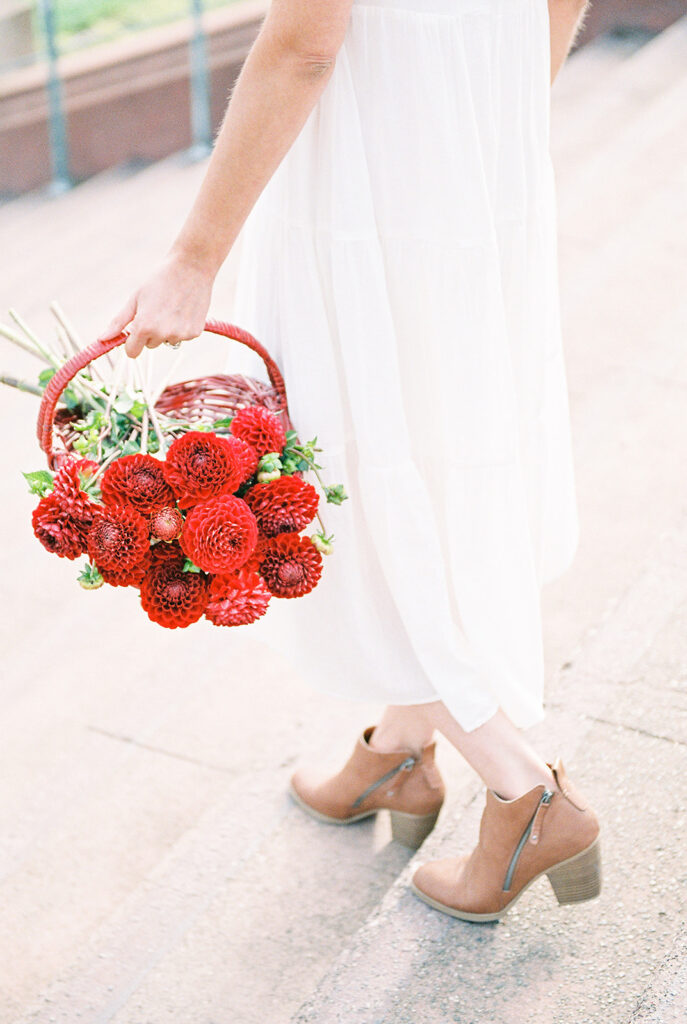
x,y
651,15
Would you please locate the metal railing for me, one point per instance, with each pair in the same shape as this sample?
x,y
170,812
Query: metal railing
x,y
58,134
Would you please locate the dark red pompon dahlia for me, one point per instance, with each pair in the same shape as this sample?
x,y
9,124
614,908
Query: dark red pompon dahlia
x,y
118,539
291,565
160,553
237,598
172,597
72,475
55,529
220,535
200,466
255,558
136,480
260,428
73,501
245,454
132,577
284,505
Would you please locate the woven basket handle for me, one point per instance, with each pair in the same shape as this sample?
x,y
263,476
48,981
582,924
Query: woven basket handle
x,y
58,383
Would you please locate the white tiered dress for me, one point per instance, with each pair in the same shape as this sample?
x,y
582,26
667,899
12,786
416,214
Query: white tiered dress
x,y
401,267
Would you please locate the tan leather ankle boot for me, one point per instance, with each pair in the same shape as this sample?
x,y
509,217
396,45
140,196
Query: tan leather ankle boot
x,y
545,831
408,785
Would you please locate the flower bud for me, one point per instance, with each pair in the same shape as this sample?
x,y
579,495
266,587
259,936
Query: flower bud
x,y
166,524
321,543
89,578
270,462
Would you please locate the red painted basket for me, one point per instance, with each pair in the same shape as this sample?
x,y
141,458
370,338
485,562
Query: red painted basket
x,y
217,395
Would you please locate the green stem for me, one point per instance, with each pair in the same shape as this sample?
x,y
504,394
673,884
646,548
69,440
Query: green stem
x,y
21,385
45,352
8,333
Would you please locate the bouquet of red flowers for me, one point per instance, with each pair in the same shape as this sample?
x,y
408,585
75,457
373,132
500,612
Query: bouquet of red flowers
x,y
203,516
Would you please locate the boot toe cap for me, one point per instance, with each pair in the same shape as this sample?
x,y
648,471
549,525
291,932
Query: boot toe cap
x,y
438,879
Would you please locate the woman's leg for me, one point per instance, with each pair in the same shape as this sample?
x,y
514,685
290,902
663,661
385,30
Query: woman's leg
x,y
497,750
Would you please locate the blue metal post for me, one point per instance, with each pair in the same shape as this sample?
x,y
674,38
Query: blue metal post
x,y
57,128
201,126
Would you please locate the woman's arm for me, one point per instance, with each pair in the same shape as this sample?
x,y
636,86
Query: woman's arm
x,y
565,20
282,78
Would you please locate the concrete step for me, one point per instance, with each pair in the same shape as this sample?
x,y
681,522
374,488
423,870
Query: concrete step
x,y
542,962
123,221
608,102
589,67
612,185
665,999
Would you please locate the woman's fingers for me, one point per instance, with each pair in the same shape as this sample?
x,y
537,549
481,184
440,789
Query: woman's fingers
x,y
138,339
119,322
171,305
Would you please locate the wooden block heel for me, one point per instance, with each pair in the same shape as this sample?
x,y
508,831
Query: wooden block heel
x,y
578,878
412,829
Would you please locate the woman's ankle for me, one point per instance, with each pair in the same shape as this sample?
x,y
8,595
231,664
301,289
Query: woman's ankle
x,y
522,780
401,731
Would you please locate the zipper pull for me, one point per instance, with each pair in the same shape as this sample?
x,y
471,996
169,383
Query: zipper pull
x,y
406,766
539,814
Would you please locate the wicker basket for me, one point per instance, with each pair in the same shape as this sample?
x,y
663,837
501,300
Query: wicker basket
x,y
214,396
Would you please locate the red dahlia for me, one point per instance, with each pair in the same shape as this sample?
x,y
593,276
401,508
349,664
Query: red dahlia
x,y
74,502
172,597
284,505
255,558
291,565
132,577
55,529
201,465
118,539
237,598
136,480
246,454
220,535
260,428
160,553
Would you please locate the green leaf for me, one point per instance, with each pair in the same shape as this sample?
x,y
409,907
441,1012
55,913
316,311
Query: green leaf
x,y
39,482
71,400
46,375
336,494
225,421
189,566
123,403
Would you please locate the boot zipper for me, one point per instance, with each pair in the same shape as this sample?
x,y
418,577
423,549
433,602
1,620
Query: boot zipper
x,y
406,765
543,803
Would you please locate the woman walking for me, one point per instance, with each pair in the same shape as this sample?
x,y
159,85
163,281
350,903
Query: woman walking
x,y
388,162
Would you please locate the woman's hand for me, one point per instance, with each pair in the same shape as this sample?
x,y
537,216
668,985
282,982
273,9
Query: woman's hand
x,y
171,305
